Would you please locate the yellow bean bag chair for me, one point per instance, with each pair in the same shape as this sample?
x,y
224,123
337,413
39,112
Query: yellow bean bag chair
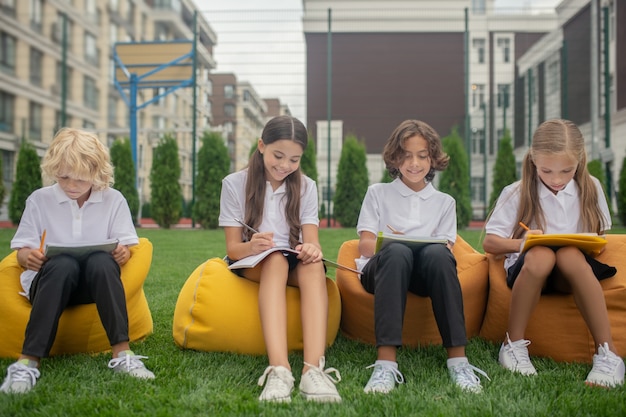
x,y
218,311
420,327
556,329
80,329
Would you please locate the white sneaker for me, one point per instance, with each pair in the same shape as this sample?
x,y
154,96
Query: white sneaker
x,y
514,356
278,382
463,375
607,370
318,385
383,379
129,363
20,379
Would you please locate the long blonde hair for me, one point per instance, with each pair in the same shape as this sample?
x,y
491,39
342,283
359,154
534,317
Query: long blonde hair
x,y
553,137
80,154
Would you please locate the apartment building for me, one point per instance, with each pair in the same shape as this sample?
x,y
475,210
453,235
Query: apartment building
x,y
416,59
558,78
57,68
240,114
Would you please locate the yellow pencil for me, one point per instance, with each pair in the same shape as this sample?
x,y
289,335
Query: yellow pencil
x,y
524,226
43,239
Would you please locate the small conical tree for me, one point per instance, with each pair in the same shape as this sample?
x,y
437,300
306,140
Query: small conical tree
x,y
213,166
386,177
455,179
125,178
596,169
308,163
166,195
352,182
504,170
27,180
621,194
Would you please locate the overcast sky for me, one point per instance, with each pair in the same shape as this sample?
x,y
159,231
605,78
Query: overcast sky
x,y
262,42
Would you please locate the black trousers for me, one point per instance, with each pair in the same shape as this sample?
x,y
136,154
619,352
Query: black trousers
x,y
64,281
429,271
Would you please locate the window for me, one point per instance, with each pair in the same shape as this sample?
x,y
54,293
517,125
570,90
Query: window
x,y
90,93
479,45
91,49
35,66
59,80
229,110
478,141
229,91
7,168
478,6
503,95
7,111
552,81
112,111
88,124
505,45
35,115
478,189
478,95
7,53
8,7
57,30
36,14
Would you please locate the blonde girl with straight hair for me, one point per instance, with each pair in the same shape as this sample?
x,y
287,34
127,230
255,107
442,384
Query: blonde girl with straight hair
x,y
555,195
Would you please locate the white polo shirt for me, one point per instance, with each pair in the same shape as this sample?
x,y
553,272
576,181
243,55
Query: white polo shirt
x,y
233,205
561,211
105,215
426,213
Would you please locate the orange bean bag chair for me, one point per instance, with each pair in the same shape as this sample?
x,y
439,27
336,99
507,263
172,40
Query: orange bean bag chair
x,y
80,329
218,311
420,327
556,328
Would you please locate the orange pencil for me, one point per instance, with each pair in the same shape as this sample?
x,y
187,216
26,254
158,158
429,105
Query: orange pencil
x,y
524,226
43,239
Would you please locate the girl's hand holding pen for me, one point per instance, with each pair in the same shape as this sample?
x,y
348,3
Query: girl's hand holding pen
x,y
529,231
261,242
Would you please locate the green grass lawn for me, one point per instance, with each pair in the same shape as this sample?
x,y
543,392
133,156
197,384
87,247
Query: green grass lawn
x,y
190,383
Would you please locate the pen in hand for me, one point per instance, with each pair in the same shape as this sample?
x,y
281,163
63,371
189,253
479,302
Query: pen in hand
x,y
246,226
43,240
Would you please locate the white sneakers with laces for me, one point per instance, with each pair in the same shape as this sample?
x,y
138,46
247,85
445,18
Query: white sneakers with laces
x,y
278,382
607,370
514,356
129,363
318,385
20,378
383,379
463,375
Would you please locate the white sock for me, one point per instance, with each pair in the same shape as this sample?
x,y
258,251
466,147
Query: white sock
x,y
390,364
452,362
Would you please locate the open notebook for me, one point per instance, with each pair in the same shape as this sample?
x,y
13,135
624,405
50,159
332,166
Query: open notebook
x,y
79,249
413,241
589,243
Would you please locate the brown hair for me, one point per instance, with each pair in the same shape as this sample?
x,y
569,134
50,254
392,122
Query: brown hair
x,y
554,137
393,152
278,128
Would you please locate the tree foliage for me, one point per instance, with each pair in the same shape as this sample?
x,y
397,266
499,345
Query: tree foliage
x,y
596,169
166,195
27,180
308,163
213,166
352,182
125,177
386,177
455,179
504,169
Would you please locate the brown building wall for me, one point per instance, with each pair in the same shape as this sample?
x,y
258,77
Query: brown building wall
x,y
381,79
576,35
